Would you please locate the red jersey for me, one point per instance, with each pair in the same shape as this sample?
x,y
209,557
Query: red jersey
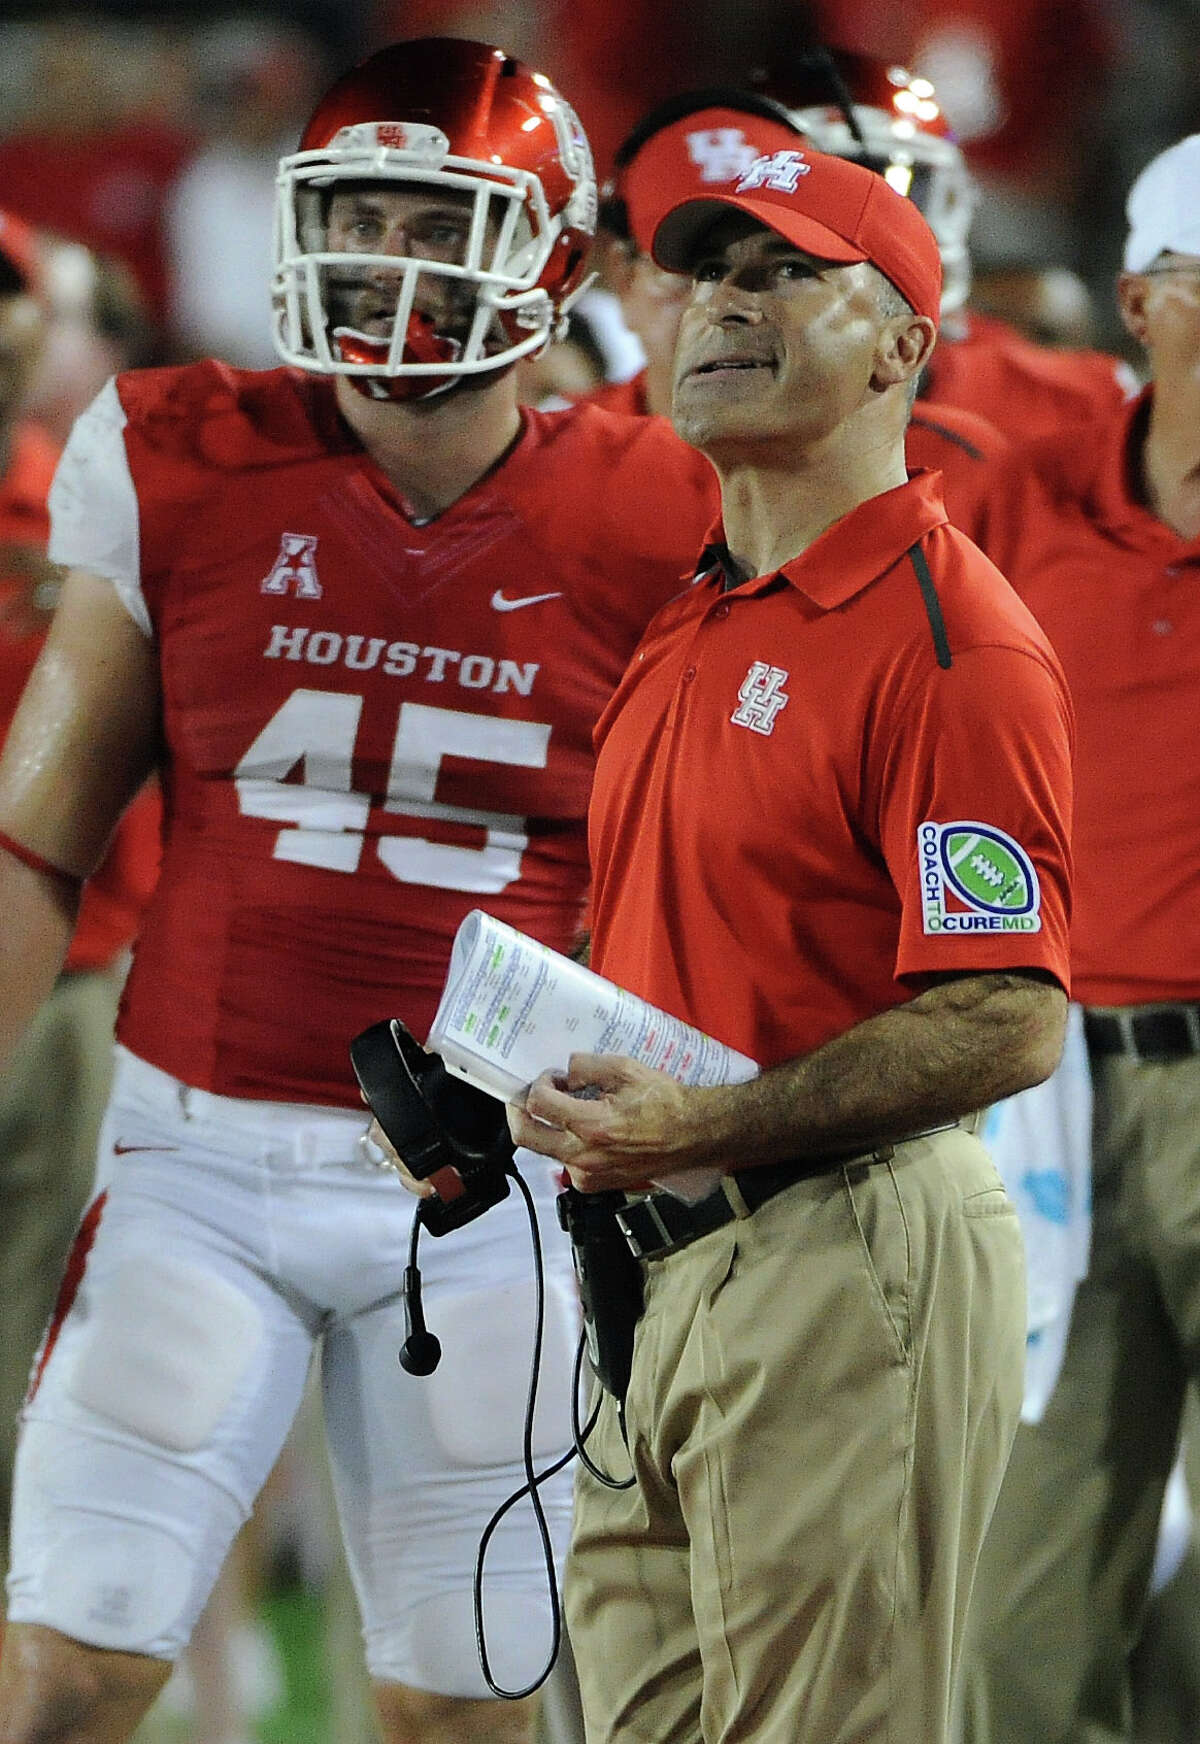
x,y
962,448
372,725
628,397
1028,390
960,445
826,784
117,892
1118,594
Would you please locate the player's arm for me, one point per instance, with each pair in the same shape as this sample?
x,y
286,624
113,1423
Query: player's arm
x,y
958,1046
83,740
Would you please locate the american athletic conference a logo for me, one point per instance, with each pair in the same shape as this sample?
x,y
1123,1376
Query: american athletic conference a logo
x,y
778,170
976,878
760,697
295,569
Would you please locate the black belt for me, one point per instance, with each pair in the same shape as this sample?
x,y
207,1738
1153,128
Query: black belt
x,y
661,1223
1145,1032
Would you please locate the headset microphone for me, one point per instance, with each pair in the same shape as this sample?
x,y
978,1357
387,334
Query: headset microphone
x,y
421,1351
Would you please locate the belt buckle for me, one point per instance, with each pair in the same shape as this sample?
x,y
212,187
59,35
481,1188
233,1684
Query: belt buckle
x,y
640,1250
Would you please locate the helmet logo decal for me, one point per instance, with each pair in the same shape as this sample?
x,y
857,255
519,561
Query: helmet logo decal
x,y
721,154
423,144
295,568
781,170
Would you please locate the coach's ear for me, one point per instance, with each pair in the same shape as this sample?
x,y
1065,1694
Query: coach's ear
x,y
902,351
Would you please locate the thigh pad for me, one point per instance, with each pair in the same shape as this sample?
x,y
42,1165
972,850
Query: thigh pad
x,y
168,1344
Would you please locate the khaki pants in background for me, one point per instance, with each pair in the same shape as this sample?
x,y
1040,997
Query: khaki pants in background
x,y
51,1105
823,1400
1061,1591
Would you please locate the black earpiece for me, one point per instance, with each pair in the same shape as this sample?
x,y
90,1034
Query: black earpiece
x,y
421,1351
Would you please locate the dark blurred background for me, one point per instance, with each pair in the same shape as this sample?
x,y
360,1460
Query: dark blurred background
x,y
149,131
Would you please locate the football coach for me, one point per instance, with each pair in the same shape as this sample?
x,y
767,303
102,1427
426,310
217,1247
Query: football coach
x,y
830,827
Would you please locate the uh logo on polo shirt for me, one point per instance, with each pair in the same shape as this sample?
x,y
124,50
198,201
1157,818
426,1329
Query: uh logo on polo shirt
x,y
976,878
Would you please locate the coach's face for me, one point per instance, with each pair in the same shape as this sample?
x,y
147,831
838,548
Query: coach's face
x,y
775,344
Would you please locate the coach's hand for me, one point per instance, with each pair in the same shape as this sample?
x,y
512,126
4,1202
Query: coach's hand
x,y
611,1122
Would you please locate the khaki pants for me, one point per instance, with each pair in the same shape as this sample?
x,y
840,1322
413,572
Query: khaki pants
x,y
51,1106
1062,1584
823,1399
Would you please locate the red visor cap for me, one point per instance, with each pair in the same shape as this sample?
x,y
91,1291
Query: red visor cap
x,y
705,153
828,206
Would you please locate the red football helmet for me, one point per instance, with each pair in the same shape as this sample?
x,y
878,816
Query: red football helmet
x,y
901,132
503,153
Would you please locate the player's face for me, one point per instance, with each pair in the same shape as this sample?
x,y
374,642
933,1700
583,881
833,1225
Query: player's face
x,y
774,342
423,224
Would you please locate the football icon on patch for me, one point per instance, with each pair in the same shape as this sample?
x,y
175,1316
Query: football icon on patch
x,y
976,878
988,869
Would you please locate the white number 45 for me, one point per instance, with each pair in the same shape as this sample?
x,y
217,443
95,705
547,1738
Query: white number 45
x,y
315,731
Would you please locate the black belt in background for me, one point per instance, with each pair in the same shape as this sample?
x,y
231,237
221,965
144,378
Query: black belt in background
x,y
661,1223
1145,1032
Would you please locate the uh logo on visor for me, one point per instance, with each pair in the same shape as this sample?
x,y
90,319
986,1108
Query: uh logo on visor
x,y
976,879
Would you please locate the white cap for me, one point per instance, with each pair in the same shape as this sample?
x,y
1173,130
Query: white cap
x,y
1163,207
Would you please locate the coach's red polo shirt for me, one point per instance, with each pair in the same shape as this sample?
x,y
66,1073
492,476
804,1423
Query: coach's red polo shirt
x,y
1118,594
823,785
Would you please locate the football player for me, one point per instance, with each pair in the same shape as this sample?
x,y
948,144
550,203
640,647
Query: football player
x,y
364,611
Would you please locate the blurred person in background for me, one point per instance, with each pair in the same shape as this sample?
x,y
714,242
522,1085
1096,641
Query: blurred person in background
x,y
258,81
365,611
700,143
1023,85
1098,529
94,324
879,113
568,371
1050,305
57,1082
1026,89
98,324
103,136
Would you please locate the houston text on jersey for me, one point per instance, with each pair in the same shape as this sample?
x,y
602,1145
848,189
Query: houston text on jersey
x,y
401,659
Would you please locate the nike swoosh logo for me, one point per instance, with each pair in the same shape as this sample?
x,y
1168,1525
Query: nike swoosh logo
x,y
500,604
124,1150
